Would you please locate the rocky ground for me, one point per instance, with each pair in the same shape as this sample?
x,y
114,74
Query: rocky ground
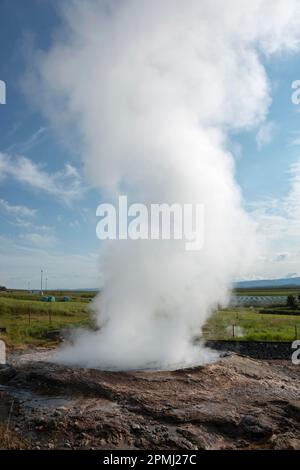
x,y
235,403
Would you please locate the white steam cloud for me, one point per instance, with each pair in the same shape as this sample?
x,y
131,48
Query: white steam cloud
x,y
153,88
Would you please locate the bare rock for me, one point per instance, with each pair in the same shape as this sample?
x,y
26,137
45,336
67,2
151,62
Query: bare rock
x,y
236,403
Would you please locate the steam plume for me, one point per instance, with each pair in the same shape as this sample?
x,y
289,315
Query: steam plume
x,y
153,89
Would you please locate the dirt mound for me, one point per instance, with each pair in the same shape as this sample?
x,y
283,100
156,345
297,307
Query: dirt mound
x,y
236,403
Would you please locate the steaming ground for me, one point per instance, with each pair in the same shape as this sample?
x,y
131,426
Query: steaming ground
x,y
195,356
236,403
202,355
153,91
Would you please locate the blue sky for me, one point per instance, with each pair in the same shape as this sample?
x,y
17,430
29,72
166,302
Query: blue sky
x,y
43,225
47,209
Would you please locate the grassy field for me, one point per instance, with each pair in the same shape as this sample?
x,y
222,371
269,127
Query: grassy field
x,y
248,324
265,291
28,320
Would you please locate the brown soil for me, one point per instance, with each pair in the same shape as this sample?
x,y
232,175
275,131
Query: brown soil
x,y
236,403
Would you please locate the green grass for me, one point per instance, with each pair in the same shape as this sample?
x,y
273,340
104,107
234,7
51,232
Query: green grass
x,y
265,291
27,321
75,296
281,310
254,325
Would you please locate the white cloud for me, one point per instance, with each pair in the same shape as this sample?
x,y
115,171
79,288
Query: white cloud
x,y
291,204
265,134
279,218
16,210
278,222
65,184
20,264
281,257
295,140
38,240
291,275
29,143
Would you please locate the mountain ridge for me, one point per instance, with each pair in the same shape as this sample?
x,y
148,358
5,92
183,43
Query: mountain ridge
x,y
282,282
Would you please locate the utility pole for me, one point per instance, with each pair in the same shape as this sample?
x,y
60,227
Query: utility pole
x,y
46,288
41,281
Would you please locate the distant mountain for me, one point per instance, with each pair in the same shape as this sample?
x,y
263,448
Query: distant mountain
x,y
285,282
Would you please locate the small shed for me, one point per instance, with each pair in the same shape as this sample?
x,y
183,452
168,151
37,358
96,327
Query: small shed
x,y
50,298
